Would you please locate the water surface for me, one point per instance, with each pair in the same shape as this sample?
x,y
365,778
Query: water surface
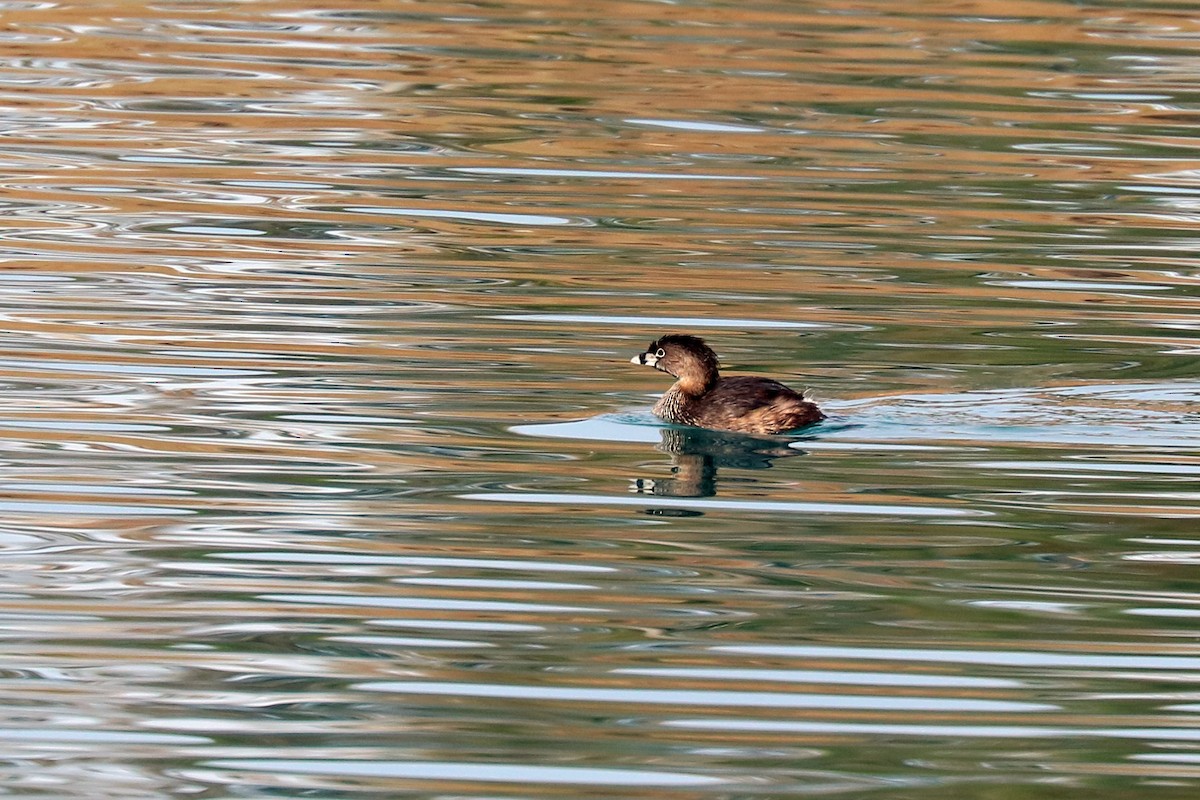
x,y
326,474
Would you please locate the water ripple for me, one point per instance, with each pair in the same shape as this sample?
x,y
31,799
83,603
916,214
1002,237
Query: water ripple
x,y
325,472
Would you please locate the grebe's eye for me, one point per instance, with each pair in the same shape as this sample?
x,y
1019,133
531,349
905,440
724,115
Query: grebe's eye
x,y
659,353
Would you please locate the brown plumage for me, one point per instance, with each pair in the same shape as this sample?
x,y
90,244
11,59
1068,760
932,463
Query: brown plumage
x,y
701,397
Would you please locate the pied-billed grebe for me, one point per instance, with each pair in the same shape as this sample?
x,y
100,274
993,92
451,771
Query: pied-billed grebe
x,y
702,397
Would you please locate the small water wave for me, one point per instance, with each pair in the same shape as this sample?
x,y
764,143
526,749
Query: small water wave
x,y
1141,414
710,505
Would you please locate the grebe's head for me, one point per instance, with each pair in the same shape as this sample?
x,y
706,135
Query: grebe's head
x,y
686,357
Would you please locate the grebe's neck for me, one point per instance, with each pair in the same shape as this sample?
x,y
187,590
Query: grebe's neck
x,y
697,380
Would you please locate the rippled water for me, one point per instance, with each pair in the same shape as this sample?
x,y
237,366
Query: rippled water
x,y
326,474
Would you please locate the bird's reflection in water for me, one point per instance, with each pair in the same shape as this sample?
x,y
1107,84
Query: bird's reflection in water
x,y
697,454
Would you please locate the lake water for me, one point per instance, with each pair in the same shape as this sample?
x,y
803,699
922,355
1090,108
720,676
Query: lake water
x,y
325,473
